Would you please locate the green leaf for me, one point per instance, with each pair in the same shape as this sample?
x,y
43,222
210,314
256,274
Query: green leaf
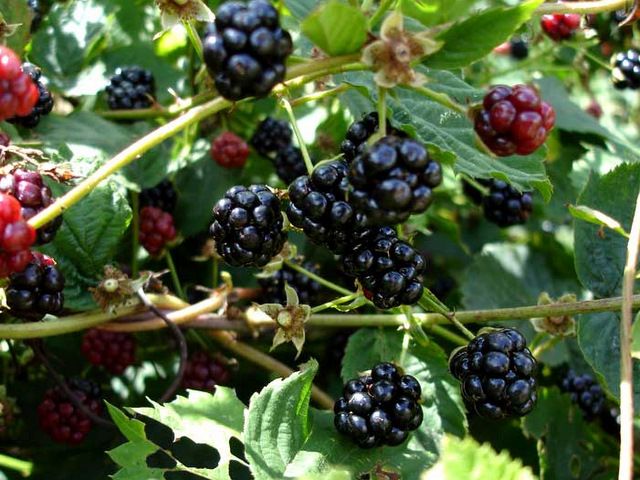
x,y
277,423
596,217
300,8
336,28
601,255
18,14
475,37
468,459
434,12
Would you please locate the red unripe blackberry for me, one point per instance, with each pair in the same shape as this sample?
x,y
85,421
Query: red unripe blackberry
x,y
594,109
560,26
16,237
43,106
18,93
156,229
229,150
514,120
114,351
204,372
61,419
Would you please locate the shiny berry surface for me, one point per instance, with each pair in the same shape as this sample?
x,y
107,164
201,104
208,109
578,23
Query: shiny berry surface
x,y
560,26
18,93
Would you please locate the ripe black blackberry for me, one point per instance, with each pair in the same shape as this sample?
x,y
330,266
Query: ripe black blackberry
x,y
131,88
61,419
289,164
379,409
505,206
519,48
318,205
37,290
586,393
358,133
34,196
162,196
392,180
204,372
273,286
271,136
389,269
626,69
245,49
248,226
497,374
44,104
114,351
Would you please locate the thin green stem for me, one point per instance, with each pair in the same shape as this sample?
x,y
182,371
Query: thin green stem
x,y
415,327
440,98
543,347
583,8
194,38
135,240
447,335
321,95
336,302
294,123
181,106
317,278
174,275
379,13
22,466
366,5
475,184
382,112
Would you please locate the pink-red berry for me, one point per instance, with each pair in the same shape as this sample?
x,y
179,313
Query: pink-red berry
x,y
594,109
16,237
5,139
514,120
204,372
560,26
18,93
229,150
114,351
156,229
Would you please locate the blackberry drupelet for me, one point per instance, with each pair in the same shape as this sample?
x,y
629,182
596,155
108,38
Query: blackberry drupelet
x,y
16,237
131,88
392,180
34,196
18,92
289,164
497,374
248,226
514,120
156,229
389,269
505,206
359,132
318,205
273,286
204,372
245,49
560,26
626,69
586,393
37,290
43,106
61,419
379,409
114,351
519,48
271,136
229,150
162,196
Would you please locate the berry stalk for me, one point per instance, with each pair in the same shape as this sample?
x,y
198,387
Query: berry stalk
x,y
23,467
294,123
596,6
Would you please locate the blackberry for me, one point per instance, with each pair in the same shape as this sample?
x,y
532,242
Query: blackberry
x,y
43,106
318,205
18,92
37,290
359,132
392,180
248,226
378,409
131,88
560,26
245,49
114,351
497,374
626,69
273,285
229,151
271,136
36,12
204,372
514,120
156,229
16,237
389,269
61,419
472,193
505,206
289,164
34,196
162,196
519,48
586,393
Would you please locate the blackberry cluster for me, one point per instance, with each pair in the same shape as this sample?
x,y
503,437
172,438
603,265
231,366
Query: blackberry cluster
x,y
156,229
37,290
359,132
318,205
248,226
518,48
18,92
162,196
34,196
389,269
245,49
43,106
379,409
229,151
204,372
273,286
114,351
626,69
131,88
271,136
289,164
514,120
586,393
16,237
560,26
505,206
392,180
497,374
61,419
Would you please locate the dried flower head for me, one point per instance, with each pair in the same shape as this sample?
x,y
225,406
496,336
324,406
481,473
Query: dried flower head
x,y
562,325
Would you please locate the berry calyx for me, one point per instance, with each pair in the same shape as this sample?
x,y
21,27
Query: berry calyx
x,y
560,26
156,229
203,372
43,106
18,93
229,150
114,351
37,290
162,196
626,69
131,88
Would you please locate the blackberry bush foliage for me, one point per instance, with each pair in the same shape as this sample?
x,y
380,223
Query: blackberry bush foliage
x,y
313,189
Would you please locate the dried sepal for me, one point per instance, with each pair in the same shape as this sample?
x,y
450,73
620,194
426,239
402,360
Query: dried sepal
x,y
175,11
116,289
561,325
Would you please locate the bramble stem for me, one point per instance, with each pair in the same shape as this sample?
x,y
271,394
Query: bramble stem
x,y
174,275
321,95
22,466
193,38
440,98
317,278
447,335
294,123
135,225
335,302
382,112
583,8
